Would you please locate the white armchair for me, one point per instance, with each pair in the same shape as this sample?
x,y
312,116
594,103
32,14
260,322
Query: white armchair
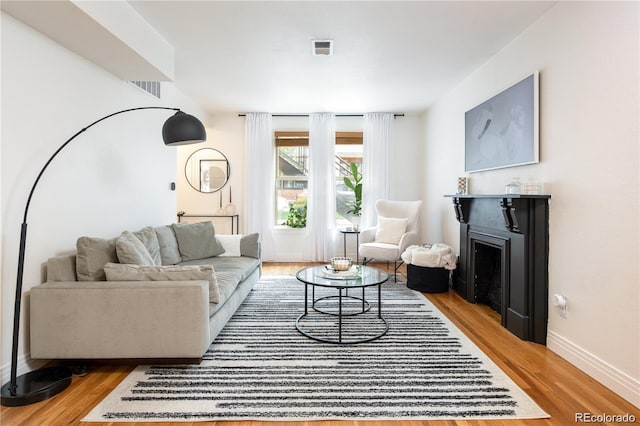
x,y
397,229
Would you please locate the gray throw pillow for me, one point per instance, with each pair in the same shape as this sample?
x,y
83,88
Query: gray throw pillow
x,y
131,250
93,254
150,240
249,245
62,268
197,240
120,272
169,251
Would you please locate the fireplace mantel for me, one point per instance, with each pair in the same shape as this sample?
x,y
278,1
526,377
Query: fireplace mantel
x,y
518,225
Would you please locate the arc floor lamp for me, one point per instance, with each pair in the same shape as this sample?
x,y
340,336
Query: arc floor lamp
x,y
38,385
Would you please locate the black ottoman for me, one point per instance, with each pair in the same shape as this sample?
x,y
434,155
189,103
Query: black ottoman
x,y
428,280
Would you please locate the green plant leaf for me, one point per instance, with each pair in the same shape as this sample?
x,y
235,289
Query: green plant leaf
x,y
348,182
355,184
354,170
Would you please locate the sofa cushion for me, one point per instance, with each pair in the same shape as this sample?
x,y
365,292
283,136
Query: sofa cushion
x,y
150,240
122,272
230,271
390,229
249,245
227,282
241,267
236,245
93,254
62,268
131,250
231,244
197,240
169,251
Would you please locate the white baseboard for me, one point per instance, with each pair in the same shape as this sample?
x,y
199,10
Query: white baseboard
x,y
287,257
25,364
619,382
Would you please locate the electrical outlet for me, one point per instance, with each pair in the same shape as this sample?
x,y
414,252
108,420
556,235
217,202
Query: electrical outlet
x,y
561,302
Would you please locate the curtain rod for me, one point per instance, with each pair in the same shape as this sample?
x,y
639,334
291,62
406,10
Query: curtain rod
x,y
306,115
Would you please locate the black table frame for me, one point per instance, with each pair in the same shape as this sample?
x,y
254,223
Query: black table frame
x,y
346,232
343,287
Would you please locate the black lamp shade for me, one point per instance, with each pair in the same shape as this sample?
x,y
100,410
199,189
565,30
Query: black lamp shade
x,y
183,129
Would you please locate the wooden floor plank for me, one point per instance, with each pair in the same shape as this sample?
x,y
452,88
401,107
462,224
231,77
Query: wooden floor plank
x,y
555,385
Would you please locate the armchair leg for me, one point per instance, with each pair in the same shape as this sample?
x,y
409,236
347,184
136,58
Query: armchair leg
x,y
396,266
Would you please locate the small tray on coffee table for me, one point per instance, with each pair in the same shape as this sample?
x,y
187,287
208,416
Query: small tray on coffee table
x,y
329,272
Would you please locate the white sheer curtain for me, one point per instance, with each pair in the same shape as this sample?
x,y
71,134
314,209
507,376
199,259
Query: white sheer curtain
x,y
259,179
321,201
376,153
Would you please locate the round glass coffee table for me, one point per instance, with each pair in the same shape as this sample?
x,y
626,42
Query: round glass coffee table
x,y
341,305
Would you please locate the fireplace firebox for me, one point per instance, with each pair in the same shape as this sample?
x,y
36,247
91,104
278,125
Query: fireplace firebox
x,y
504,257
487,274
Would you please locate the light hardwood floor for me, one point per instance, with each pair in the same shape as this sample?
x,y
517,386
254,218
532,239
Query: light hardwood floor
x,y
559,388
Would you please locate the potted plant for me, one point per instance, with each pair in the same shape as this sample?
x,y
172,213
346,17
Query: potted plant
x,y
354,182
297,213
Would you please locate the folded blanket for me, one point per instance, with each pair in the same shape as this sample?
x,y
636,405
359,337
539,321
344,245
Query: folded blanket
x,y
437,256
441,248
425,258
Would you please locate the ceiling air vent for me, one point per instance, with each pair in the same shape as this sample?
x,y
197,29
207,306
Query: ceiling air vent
x,y
322,47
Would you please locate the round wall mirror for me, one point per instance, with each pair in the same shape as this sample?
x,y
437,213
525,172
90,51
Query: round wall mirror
x,y
207,170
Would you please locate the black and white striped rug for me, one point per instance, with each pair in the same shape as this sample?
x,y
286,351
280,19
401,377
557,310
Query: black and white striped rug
x,y
261,368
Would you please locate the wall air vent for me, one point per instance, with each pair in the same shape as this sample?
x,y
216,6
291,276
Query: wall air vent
x,y
151,87
322,47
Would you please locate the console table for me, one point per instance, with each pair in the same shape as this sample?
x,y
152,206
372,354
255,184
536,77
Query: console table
x,y
235,219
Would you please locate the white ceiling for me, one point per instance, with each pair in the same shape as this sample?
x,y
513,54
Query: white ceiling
x,y
240,56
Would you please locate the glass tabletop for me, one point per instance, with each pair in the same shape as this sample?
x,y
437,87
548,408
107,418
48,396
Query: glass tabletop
x,y
349,231
358,276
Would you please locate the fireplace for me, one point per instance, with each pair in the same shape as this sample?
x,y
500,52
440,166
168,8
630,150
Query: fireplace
x,y
487,270
503,260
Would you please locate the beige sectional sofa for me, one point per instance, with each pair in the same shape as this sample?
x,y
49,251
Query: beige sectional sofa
x,y
162,292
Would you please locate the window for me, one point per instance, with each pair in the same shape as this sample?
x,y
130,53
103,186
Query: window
x,y
292,176
348,150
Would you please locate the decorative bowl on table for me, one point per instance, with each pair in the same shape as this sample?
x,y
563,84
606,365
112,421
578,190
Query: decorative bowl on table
x,y
340,264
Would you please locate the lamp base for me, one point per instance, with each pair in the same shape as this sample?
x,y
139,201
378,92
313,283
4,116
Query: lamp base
x,y
36,386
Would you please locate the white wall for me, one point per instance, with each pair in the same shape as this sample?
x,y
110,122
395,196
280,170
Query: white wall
x,y
587,54
113,177
226,134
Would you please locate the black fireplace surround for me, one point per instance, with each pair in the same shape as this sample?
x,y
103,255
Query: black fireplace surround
x,y
504,258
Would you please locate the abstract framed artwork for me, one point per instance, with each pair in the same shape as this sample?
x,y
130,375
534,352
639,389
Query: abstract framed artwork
x,y
503,130
213,174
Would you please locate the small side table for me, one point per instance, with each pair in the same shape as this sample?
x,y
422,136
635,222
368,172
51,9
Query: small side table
x,y
346,232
